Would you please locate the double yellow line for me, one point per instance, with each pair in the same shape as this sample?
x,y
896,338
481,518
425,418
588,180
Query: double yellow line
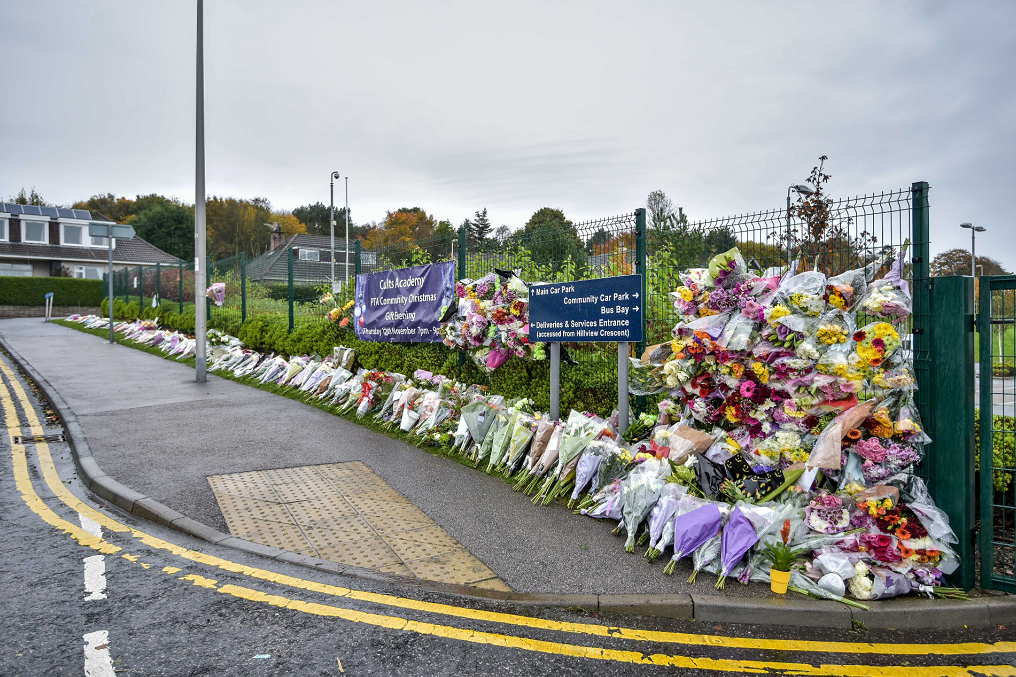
x,y
53,481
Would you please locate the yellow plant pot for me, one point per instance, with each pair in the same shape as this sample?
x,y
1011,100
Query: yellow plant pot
x,y
778,581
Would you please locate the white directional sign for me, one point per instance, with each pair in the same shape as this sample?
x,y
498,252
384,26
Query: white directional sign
x,y
120,231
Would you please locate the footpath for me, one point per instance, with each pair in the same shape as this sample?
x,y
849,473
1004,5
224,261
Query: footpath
x,y
150,428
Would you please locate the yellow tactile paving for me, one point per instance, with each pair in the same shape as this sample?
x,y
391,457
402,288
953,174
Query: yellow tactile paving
x,y
346,513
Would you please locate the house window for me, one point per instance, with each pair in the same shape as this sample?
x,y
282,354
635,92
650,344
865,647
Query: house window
x,y
89,272
34,231
15,269
310,255
3,230
73,235
101,242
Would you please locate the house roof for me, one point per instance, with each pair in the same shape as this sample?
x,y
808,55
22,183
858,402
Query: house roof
x,y
134,250
49,212
275,265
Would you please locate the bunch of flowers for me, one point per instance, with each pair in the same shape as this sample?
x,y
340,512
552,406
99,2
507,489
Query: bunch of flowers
x,y
876,342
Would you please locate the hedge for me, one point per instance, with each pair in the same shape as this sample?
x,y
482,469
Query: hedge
x,y
515,378
67,291
1003,449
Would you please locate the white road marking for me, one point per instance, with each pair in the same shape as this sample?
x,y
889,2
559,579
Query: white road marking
x,y
97,660
90,525
95,577
95,566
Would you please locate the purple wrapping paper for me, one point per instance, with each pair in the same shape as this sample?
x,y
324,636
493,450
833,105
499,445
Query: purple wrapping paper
x,y
694,528
738,536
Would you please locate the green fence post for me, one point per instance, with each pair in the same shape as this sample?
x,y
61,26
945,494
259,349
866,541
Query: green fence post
x,y
158,282
204,293
141,289
243,287
921,325
952,417
461,275
357,266
640,263
180,279
291,289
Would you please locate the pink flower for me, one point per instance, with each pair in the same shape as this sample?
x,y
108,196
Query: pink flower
x,y
747,389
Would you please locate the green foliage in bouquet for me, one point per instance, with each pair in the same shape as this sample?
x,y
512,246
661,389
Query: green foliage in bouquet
x,y
780,555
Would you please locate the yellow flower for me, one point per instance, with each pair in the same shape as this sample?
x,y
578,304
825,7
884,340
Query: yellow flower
x,y
778,312
706,312
348,306
884,329
760,371
685,293
733,444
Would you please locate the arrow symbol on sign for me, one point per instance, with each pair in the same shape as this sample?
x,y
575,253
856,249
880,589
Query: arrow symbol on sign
x,y
636,309
636,295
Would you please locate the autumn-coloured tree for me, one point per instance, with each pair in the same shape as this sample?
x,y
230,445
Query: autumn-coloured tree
x,y
957,262
404,225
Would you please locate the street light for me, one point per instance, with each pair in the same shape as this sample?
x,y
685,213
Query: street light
x,y
973,241
800,189
200,263
345,257
331,220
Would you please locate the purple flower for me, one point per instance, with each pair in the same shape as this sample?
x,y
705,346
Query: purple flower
x,y
782,332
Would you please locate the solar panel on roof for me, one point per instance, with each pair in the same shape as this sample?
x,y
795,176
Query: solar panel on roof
x,y
50,211
65,213
31,210
81,214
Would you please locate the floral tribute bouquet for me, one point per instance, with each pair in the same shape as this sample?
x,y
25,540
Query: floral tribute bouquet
x,y
889,298
492,321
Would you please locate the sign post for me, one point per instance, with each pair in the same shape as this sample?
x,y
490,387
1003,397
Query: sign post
x,y
607,310
110,231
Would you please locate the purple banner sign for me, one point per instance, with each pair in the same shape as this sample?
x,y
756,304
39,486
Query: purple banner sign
x,y
404,305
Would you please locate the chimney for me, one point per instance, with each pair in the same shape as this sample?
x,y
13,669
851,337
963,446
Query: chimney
x,y
278,239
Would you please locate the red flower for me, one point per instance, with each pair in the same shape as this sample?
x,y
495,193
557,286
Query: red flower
x,y
878,344
344,322
859,336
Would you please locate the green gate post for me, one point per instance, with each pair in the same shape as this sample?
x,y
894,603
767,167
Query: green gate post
x,y
952,418
141,289
461,275
290,289
641,259
356,266
180,279
923,338
204,293
158,282
243,287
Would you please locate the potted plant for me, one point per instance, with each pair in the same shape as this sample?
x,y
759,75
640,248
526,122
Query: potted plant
x,y
782,558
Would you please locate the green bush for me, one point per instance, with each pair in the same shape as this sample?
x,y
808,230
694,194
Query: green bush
x,y
104,307
581,384
1003,449
1003,368
67,291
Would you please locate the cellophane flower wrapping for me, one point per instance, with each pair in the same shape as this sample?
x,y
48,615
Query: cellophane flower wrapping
x,y
642,489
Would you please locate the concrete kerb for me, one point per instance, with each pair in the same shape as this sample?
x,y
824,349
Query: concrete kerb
x,y
791,611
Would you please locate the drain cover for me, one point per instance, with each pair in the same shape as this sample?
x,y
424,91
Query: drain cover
x,y
33,439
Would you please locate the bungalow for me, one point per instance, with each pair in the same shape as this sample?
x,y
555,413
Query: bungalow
x,y
54,242
312,263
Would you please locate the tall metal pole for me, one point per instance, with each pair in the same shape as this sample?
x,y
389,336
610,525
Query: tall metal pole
x,y
200,317
109,243
790,251
346,256
973,259
331,222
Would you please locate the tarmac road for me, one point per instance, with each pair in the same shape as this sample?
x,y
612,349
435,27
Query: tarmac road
x,y
88,589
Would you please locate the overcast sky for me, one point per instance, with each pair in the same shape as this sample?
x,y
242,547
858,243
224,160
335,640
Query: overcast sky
x,y
584,106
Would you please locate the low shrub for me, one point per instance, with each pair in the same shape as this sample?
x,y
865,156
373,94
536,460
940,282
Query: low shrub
x,y
1003,449
1004,368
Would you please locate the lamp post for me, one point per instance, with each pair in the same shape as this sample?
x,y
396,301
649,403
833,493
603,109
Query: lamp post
x,y
974,230
331,221
200,317
345,256
800,189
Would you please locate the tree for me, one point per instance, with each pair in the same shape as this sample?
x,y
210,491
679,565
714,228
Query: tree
x,y
502,233
315,218
659,209
238,225
957,262
408,224
553,239
32,198
120,209
597,240
480,228
168,226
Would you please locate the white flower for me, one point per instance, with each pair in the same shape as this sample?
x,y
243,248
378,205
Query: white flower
x,y
807,351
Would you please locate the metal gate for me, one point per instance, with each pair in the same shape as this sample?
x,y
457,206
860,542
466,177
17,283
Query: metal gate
x,y
996,326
